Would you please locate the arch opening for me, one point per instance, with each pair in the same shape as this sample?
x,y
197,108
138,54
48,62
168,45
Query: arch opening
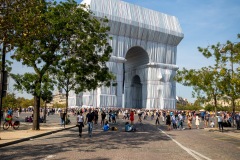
x,y
136,56
136,88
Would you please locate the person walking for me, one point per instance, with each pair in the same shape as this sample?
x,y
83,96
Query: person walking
x,y
168,121
220,122
63,116
89,121
189,121
197,121
132,117
180,121
103,116
206,119
80,120
157,118
237,119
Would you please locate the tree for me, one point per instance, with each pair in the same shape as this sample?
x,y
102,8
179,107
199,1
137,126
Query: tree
x,y
228,55
205,88
83,66
72,74
47,31
6,31
10,101
216,81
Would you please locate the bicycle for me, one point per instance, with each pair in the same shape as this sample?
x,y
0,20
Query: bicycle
x,y
9,123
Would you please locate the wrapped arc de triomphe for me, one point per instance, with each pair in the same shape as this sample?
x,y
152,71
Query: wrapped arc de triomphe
x,y
143,60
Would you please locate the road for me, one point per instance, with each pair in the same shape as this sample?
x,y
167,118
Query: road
x,y
149,142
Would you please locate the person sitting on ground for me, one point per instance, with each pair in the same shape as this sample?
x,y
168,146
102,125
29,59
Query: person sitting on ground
x,y
106,126
129,127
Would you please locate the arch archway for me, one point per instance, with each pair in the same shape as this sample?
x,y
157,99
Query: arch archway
x,y
136,56
136,88
133,77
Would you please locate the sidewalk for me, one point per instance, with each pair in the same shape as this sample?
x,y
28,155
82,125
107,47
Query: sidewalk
x,y
24,133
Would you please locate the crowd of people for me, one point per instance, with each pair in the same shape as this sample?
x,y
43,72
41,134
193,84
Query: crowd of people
x,y
173,119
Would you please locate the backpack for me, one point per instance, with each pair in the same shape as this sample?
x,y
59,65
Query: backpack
x,y
114,129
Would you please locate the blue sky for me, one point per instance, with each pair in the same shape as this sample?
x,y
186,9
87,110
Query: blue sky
x,y
204,22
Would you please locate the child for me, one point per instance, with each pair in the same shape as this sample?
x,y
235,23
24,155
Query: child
x,y
212,124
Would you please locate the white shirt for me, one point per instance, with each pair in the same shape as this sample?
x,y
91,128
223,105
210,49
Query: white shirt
x,y
80,118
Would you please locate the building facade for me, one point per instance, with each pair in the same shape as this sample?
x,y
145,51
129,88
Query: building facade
x,y
143,60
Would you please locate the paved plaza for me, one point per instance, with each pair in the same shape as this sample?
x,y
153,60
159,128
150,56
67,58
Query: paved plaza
x,y
148,142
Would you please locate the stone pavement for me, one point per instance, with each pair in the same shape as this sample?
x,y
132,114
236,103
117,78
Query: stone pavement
x,y
25,133
229,131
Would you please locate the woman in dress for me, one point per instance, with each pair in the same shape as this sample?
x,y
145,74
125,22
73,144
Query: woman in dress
x,y
197,121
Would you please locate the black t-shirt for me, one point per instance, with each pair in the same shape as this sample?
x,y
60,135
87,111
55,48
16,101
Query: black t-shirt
x,y
90,116
63,115
103,115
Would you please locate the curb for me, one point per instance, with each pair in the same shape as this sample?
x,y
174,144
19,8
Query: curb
x,y
32,137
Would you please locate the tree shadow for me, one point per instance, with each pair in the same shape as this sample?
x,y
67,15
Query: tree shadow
x,y
69,140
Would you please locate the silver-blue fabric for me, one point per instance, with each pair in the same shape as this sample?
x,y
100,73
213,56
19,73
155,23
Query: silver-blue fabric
x,y
144,56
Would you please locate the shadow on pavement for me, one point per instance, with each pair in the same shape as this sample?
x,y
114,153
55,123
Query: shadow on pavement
x,y
69,140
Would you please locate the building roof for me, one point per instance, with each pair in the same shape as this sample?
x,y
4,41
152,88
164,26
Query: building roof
x,y
153,25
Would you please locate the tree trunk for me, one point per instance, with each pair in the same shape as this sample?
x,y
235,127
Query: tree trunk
x,y
66,105
233,108
215,110
36,113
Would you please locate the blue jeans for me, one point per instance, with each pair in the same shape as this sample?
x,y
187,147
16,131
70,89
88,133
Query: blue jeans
x,y
90,127
62,121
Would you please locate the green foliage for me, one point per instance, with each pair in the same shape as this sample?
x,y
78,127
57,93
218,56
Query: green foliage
x,y
10,101
62,39
216,81
191,107
58,105
219,108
